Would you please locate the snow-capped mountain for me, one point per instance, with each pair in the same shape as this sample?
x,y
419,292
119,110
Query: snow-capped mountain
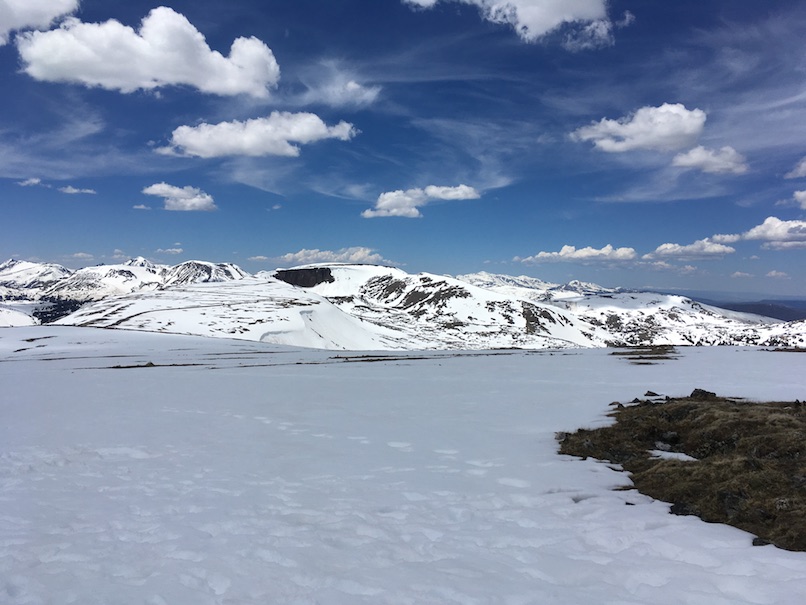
x,y
351,307
648,318
196,271
343,306
20,275
97,283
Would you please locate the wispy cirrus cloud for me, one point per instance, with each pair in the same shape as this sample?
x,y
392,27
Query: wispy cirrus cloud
x,y
798,172
167,50
330,83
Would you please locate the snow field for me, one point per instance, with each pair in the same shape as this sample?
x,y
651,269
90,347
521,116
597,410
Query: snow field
x,y
239,472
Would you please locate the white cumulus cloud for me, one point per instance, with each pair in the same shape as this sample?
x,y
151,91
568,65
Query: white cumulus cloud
x,y
31,14
167,50
798,172
775,233
800,198
69,189
703,248
407,203
587,254
666,128
533,19
778,275
32,182
182,198
722,161
774,229
272,135
353,254
169,250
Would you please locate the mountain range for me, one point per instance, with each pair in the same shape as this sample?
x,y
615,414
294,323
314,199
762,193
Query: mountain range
x,y
370,307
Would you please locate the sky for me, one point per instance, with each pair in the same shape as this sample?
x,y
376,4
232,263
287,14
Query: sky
x,y
625,142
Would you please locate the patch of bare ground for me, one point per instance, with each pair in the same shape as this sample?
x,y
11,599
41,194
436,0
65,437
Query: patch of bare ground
x,y
749,467
647,355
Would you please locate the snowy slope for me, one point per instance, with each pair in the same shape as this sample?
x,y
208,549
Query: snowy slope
x,y
12,317
250,308
233,472
448,313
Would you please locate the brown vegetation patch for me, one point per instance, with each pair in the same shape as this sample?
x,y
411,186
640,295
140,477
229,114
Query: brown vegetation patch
x,y
750,467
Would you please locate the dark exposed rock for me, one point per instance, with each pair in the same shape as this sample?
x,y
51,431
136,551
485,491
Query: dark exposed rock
x,y
305,278
681,508
702,394
53,309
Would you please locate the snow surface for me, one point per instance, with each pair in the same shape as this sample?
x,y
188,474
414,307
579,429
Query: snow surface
x,y
252,309
10,318
236,472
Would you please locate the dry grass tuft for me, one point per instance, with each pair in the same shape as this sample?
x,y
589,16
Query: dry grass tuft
x,y
750,470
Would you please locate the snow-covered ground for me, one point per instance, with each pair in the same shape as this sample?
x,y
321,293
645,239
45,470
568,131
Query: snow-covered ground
x,y
11,317
237,472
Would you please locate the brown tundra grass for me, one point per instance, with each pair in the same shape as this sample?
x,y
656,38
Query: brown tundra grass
x,y
750,470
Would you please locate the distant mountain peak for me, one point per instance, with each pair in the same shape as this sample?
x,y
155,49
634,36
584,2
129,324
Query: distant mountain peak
x,y
139,261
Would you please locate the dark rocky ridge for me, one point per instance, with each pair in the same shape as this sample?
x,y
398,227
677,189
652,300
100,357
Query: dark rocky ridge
x,y
305,278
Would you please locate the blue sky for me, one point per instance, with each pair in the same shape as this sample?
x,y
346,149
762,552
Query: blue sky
x,y
631,143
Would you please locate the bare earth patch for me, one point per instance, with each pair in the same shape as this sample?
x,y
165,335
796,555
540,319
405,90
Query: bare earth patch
x,y
725,460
